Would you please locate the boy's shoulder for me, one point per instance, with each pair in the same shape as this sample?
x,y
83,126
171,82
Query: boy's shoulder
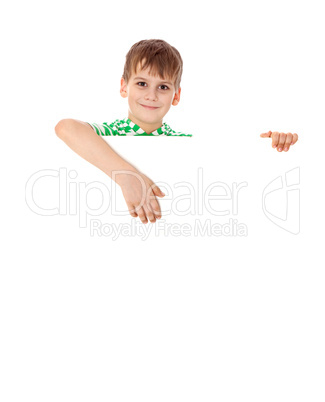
x,y
117,127
170,132
126,127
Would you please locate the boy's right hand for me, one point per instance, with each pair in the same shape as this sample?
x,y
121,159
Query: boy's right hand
x,y
140,195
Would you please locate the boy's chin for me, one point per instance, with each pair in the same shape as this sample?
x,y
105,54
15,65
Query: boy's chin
x,y
153,121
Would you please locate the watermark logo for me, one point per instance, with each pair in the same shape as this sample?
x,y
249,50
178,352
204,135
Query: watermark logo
x,y
219,200
283,192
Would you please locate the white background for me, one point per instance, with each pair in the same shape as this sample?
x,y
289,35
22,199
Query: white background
x,y
168,318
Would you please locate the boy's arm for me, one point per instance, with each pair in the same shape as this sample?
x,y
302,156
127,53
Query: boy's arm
x,y
138,190
83,140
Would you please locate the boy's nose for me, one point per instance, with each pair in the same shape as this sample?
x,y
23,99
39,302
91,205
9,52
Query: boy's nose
x,y
151,95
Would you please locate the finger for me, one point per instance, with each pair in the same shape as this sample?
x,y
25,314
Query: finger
x,y
155,207
132,210
287,142
141,214
294,139
156,190
149,213
282,140
154,204
275,139
266,135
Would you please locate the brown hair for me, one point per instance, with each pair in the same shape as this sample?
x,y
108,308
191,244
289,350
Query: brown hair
x,y
161,58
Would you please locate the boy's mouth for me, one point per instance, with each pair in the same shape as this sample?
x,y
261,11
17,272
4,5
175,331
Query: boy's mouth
x,y
149,107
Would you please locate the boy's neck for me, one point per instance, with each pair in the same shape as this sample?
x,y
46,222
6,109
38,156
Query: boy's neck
x,y
146,127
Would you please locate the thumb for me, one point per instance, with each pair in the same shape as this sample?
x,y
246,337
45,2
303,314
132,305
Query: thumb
x,y
156,190
266,135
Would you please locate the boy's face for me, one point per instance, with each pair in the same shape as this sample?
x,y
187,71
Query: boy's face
x,y
149,97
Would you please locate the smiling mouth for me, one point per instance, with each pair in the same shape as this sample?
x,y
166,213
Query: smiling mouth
x,y
150,107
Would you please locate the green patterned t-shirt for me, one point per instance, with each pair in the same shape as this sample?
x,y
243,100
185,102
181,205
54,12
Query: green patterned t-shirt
x,y
127,127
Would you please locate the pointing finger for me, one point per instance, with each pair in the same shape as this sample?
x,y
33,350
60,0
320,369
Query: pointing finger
x,y
266,135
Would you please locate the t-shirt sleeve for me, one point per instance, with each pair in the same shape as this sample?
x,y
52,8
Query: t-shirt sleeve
x,y
101,129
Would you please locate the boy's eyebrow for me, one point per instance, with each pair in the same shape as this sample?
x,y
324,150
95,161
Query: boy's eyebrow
x,y
145,79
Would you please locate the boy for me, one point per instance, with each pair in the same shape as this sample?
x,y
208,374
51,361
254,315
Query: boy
x,y
151,82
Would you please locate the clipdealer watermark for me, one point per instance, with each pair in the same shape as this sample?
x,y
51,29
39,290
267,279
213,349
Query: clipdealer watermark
x,y
75,198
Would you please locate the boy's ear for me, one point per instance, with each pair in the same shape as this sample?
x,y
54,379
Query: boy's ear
x,y
177,97
123,89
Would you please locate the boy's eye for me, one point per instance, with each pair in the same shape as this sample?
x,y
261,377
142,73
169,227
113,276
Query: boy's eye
x,y
143,84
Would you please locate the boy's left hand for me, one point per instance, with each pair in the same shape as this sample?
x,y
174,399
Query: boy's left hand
x,y
281,141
